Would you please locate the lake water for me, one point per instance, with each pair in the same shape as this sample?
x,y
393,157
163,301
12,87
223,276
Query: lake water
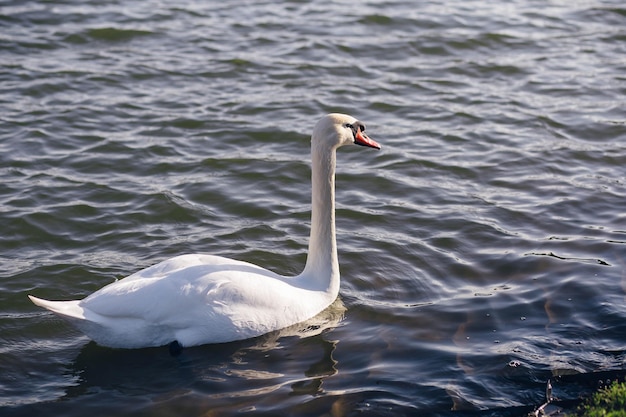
x,y
482,250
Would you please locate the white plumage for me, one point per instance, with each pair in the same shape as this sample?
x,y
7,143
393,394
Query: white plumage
x,y
197,299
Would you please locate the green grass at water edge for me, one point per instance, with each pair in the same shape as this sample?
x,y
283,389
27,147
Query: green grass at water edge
x,y
607,402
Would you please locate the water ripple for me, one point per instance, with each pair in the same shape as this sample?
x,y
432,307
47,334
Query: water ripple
x,y
482,249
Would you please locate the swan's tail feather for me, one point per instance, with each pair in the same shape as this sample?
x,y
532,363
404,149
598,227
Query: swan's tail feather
x,y
92,324
67,309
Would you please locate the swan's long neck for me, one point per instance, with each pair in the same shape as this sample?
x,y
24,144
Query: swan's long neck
x,y
322,265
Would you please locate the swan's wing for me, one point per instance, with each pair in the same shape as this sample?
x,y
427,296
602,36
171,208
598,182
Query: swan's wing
x,y
193,299
189,289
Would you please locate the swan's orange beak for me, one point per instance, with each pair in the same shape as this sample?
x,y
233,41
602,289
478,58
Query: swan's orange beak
x,y
362,139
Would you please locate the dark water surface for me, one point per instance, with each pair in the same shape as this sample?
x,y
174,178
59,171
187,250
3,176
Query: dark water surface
x,y
483,250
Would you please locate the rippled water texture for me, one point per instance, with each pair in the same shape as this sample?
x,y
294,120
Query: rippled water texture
x,y
483,250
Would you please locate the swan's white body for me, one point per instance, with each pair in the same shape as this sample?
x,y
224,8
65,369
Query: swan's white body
x,y
197,299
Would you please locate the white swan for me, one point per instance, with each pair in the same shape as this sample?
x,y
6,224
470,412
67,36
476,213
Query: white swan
x,y
196,299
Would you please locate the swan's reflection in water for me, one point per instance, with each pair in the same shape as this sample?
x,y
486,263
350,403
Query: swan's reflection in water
x,y
296,359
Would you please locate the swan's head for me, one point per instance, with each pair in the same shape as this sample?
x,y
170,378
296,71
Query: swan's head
x,y
337,129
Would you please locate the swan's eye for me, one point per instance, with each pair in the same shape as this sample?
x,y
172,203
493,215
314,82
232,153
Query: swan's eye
x,y
354,127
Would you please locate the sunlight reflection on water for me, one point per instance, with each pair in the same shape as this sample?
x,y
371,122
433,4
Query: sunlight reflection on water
x,y
482,250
